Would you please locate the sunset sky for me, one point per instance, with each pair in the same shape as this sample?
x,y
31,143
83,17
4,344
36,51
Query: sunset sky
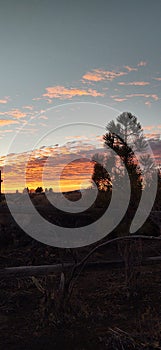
x,y
53,53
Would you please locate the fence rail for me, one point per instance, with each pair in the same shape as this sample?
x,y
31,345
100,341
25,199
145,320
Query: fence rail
x,y
27,271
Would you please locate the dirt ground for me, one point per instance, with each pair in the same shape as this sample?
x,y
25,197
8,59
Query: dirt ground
x,y
102,313
114,309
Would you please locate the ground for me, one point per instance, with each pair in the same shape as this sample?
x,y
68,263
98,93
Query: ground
x,y
99,309
114,308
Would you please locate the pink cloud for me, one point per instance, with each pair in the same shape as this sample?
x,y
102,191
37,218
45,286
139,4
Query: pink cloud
x,y
97,75
153,136
148,103
158,79
8,131
43,117
149,127
36,99
153,96
142,64
28,107
119,99
134,83
62,92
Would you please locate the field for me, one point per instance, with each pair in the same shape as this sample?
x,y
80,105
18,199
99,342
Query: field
x,y
104,306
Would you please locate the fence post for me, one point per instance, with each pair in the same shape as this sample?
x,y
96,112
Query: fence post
x,y
0,186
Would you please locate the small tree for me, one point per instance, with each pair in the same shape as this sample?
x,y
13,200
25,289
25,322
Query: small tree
x,y
26,190
39,190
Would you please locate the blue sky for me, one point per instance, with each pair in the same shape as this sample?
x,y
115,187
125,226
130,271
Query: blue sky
x,y
55,52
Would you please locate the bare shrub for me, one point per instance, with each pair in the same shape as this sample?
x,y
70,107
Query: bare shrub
x,y
131,253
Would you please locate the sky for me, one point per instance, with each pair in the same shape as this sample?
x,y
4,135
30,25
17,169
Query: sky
x,y
60,57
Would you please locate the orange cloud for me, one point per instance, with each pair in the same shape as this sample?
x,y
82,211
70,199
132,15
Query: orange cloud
x,y
62,92
73,173
134,83
97,75
15,113
3,101
158,79
130,69
7,122
142,64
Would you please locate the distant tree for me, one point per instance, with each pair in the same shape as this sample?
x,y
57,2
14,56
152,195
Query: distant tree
x,y
39,190
26,190
50,189
101,177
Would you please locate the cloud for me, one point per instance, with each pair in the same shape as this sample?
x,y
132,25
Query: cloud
x,y
43,117
3,101
62,92
153,96
15,113
158,79
8,131
148,103
149,127
28,107
4,122
72,172
97,75
36,166
153,137
77,137
134,83
130,69
142,64
152,127
119,99
36,99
